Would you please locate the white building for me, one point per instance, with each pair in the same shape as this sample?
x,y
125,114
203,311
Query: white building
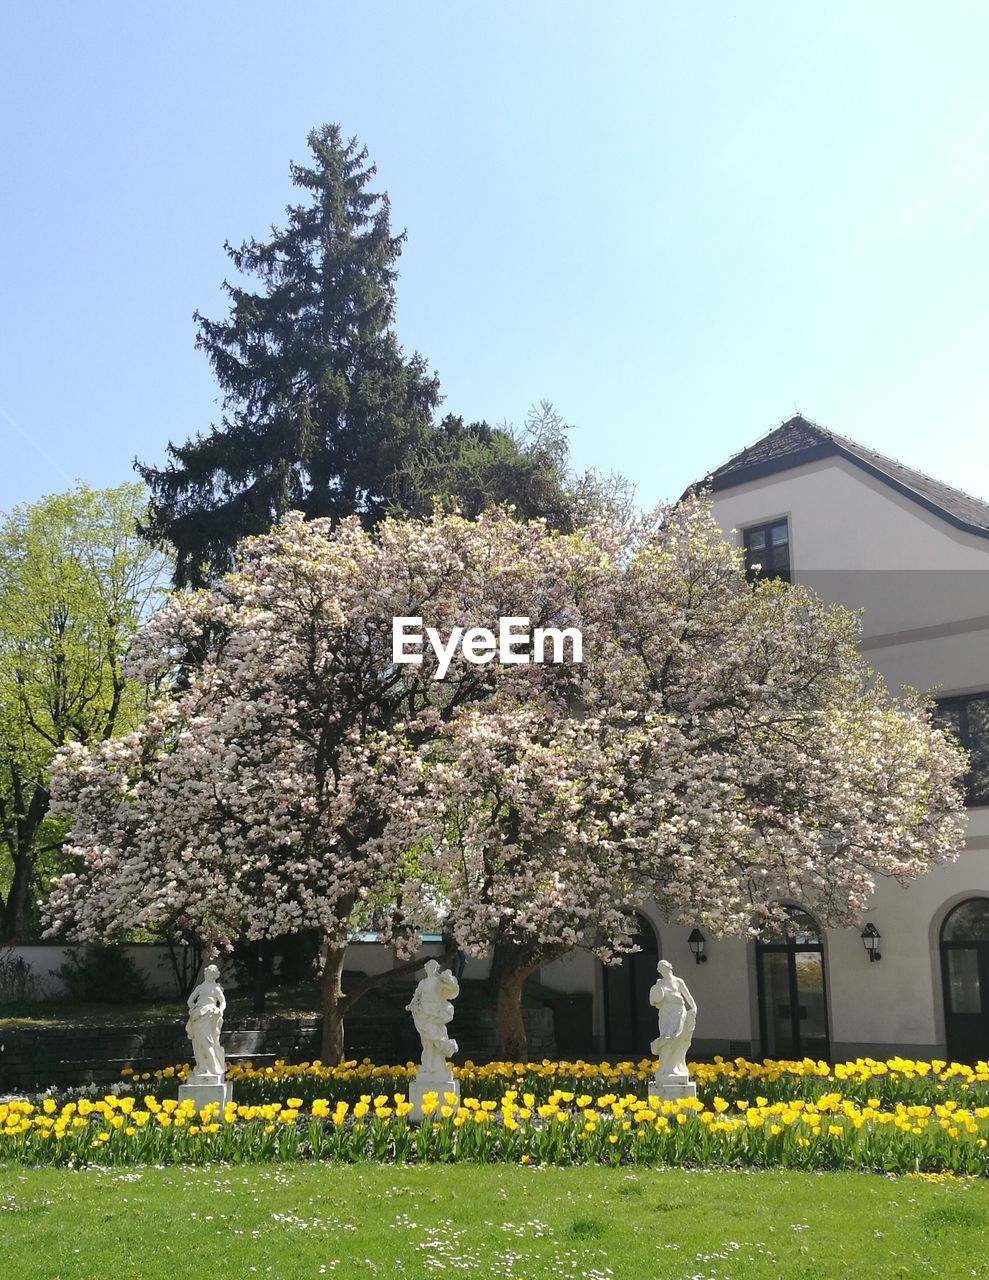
x,y
913,555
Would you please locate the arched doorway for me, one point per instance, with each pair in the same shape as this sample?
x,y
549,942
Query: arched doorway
x,y
629,1020
793,1007
965,975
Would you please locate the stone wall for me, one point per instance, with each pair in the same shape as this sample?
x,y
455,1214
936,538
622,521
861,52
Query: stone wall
x,y
34,1057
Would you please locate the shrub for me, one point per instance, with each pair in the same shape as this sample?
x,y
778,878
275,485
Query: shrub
x,y
17,982
104,975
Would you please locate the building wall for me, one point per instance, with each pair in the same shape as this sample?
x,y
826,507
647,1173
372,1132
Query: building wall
x,y
923,588
844,518
898,1001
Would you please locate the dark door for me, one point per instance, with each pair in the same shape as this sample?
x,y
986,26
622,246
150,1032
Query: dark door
x,y
629,1019
965,978
793,1014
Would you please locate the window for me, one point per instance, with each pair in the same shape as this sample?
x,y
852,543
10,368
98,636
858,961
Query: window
x,y
767,551
968,923
793,1014
800,928
968,720
965,978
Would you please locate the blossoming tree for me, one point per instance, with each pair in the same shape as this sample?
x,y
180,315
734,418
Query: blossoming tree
x,y
724,748
770,762
721,746
540,861
280,781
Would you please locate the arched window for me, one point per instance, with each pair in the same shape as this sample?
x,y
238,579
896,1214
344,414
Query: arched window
x,y
968,922
965,979
793,1007
800,927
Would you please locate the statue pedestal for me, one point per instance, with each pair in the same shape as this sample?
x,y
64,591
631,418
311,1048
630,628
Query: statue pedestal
x,y
672,1088
421,1084
203,1089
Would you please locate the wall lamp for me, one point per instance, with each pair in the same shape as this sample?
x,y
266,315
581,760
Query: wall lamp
x,y
697,942
871,938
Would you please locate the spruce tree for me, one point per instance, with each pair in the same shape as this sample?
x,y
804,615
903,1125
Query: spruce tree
x,y
321,408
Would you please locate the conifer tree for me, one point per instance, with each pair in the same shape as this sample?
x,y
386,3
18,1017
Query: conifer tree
x,y
321,407
472,467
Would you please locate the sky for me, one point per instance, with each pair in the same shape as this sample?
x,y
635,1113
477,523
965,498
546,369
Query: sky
x,y
678,223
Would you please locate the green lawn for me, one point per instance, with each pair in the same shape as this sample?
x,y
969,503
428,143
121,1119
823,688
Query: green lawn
x,y
294,1221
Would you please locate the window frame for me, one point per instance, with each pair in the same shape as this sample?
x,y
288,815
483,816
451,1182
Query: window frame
x,y
765,528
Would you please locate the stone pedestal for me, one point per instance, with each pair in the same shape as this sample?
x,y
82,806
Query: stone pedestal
x,y
422,1084
204,1089
672,1088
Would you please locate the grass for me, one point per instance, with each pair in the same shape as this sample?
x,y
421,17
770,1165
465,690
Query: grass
x,y
289,1222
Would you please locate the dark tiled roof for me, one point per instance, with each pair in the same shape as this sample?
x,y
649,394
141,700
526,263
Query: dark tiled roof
x,y
798,441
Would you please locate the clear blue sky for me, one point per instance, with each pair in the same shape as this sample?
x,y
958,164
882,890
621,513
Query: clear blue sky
x,y
677,222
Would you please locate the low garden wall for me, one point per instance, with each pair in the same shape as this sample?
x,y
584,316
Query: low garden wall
x,y
42,961
34,1057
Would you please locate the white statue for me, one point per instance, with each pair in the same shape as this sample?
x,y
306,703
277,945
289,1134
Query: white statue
x,y
431,1010
677,1018
206,1006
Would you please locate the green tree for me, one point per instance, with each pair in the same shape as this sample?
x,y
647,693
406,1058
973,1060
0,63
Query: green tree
x,y
321,406
472,467
75,581
322,411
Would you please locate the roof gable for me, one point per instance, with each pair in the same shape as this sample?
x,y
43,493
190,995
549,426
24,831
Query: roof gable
x,y
799,441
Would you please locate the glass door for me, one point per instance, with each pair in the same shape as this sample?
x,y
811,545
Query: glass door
x,y
965,978
629,1019
811,1004
793,1014
776,1000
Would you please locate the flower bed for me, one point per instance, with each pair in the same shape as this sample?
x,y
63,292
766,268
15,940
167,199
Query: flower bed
x,y
866,1080
910,1117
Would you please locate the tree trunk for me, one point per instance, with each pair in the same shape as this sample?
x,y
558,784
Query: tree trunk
x,y
185,953
335,1003
331,1051
509,969
13,912
259,979
26,830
